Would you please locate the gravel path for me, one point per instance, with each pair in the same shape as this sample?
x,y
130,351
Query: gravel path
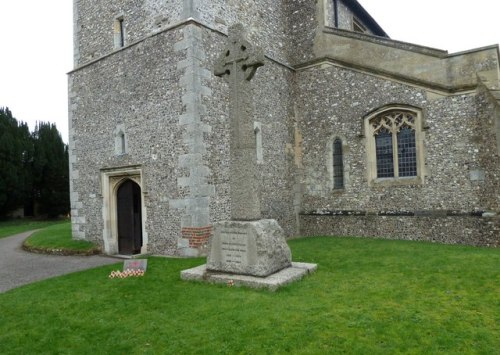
x,y
18,267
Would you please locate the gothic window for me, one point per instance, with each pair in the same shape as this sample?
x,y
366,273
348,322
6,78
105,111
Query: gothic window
x,y
122,32
122,143
338,165
393,145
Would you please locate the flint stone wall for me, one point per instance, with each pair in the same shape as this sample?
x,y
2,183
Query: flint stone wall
x,y
468,230
461,170
174,114
138,89
266,22
94,21
457,139
160,89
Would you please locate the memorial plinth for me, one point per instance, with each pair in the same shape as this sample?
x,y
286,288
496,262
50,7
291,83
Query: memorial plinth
x,y
272,282
256,248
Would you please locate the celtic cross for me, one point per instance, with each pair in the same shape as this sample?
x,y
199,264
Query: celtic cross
x,y
237,64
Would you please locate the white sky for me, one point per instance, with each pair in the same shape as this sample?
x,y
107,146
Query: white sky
x,y
36,44
35,55
452,25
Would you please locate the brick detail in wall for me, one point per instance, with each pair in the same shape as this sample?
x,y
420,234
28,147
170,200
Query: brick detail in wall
x,y
197,236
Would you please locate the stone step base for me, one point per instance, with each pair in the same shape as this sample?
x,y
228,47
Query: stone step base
x,y
272,282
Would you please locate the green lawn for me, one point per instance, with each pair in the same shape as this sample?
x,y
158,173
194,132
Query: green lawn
x,y
57,239
367,297
16,226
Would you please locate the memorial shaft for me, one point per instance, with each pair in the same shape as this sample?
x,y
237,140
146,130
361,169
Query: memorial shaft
x,y
237,65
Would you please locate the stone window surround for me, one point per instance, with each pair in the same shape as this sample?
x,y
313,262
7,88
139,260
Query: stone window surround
x,y
121,141
371,160
111,179
119,32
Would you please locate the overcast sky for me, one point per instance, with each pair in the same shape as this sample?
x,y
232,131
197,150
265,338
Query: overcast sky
x,y
452,25
36,44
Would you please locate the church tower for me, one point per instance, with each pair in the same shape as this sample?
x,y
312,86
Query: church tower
x,y
146,108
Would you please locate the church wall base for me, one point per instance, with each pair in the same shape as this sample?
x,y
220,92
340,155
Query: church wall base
x,y
467,230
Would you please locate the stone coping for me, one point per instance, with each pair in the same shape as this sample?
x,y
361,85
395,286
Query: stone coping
x,y
272,282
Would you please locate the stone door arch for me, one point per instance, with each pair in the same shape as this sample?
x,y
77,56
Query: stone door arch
x,y
129,217
112,180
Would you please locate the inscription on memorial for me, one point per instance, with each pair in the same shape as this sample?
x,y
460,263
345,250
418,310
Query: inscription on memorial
x,y
234,247
256,248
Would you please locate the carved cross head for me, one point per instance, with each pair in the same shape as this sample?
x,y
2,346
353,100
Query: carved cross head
x,y
239,60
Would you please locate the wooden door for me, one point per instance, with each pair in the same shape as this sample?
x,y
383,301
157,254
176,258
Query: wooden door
x,y
128,201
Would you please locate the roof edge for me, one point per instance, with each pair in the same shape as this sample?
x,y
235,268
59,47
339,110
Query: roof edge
x,y
440,53
441,89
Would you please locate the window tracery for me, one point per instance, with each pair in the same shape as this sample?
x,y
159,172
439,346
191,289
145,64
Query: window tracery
x,y
395,141
395,146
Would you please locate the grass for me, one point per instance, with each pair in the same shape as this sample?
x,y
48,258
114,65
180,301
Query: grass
x,y
368,296
16,226
56,239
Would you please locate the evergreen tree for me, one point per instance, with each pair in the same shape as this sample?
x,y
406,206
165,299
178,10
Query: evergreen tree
x,y
33,168
50,170
14,143
26,142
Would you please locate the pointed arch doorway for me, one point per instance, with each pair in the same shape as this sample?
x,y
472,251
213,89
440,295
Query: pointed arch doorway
x,y
129,181
129,218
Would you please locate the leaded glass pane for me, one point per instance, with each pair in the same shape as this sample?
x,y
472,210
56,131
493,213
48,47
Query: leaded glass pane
x,y
338,165
407,152
385,160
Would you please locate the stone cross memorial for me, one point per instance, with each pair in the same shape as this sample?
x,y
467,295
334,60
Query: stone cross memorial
x,y
237,64
247,244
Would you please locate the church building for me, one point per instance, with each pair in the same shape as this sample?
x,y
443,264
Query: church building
x,y
356,134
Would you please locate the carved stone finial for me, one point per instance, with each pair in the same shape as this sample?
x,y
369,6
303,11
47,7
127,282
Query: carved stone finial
x,y
236,31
